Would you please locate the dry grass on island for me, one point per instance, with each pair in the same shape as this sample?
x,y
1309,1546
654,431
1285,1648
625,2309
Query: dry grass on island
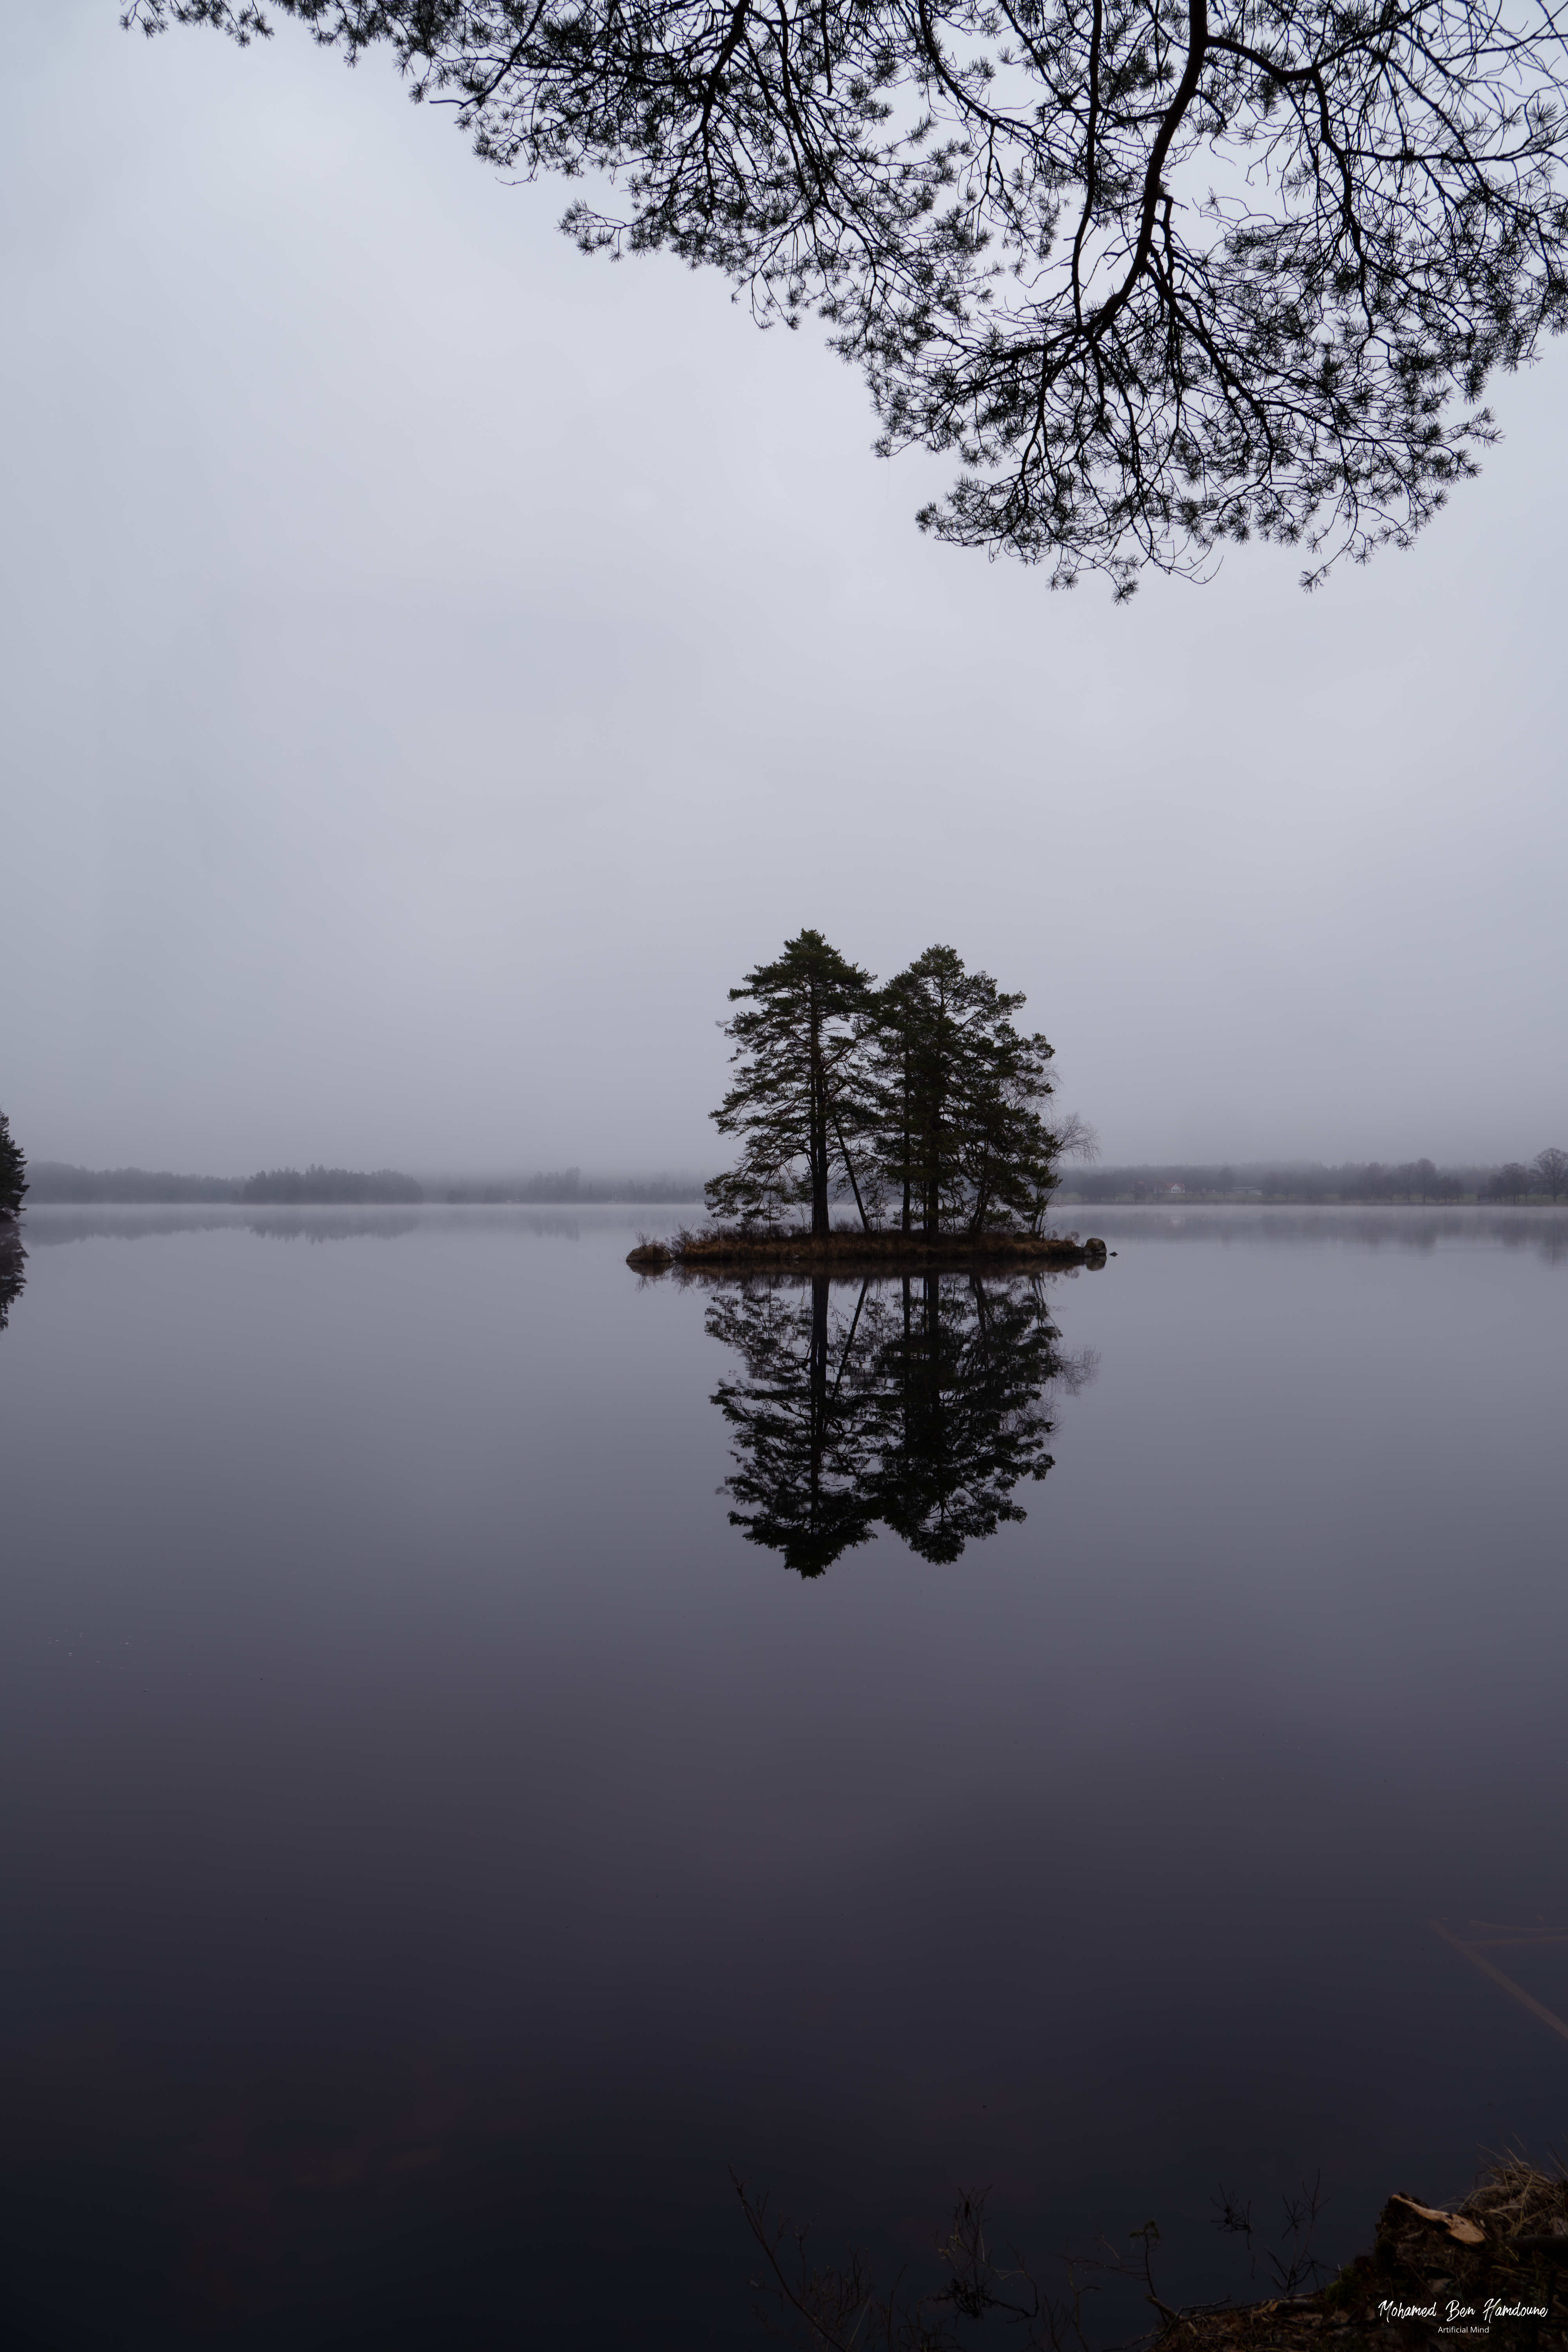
x,y
850,1250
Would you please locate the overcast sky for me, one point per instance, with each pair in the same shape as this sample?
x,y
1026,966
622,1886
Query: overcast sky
x,y
436,665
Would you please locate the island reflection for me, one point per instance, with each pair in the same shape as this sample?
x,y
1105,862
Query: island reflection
x,y
920,1403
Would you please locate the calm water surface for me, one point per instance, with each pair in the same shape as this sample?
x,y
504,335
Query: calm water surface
x,y
437,1840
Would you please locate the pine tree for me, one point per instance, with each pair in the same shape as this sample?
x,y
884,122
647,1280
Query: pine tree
x,y
898,1033
960,1138
797,1098
12,1171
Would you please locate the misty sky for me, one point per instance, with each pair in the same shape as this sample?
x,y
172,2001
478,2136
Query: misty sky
x,y
436,665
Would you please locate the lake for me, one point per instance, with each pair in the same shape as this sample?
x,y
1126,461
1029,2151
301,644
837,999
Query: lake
x,y
439,1838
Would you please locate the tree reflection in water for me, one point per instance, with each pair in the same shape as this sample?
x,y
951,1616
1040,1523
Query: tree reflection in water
x,y
13,1258
920,1403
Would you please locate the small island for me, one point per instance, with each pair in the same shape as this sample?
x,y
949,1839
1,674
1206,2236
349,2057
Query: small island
x,y
918,1101
848,1251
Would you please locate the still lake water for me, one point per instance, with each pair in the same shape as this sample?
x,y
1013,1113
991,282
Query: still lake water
x,y
437,1841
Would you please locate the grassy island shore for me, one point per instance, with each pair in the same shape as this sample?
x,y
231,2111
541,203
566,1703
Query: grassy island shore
x,y
851,1251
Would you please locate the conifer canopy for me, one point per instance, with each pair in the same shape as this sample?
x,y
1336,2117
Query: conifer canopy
x,y
797,1098
920,1101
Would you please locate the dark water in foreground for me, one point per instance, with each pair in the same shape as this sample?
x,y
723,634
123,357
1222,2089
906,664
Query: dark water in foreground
x,y
435,1841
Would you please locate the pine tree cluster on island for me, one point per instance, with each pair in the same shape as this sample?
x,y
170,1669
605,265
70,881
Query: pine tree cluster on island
x,y
919,1101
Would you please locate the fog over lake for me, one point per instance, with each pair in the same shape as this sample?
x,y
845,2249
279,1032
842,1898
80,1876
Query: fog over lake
x,y
437,1840
498,1744
438,666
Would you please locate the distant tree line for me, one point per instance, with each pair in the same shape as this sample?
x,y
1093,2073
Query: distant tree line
x,y
568,1185
341,1186
1547,1172
1409,1182
920,1100
57,1181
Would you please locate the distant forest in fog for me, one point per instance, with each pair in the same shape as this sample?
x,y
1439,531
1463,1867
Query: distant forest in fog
x,y
1410,1182
57,1181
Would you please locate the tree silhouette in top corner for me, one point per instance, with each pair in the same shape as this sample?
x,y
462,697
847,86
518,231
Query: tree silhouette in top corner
x,y
1160,277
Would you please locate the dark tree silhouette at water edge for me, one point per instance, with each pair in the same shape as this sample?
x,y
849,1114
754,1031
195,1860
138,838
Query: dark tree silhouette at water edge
x,y
13,1172
12,1190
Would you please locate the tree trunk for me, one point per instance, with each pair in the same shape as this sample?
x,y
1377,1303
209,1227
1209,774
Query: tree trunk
x,y
819,1223
849,1171
981,1194
934,1107
818,1119
933,1172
